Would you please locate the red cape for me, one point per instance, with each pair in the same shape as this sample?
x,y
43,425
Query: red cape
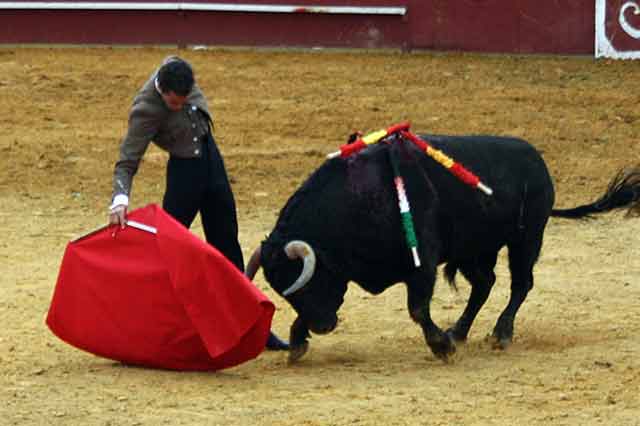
x,y
164,299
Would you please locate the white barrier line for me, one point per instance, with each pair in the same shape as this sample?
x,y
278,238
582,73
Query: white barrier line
x,y
211,7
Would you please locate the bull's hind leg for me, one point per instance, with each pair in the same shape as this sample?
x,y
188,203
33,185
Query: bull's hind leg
x,y
420,291
522,257
480,275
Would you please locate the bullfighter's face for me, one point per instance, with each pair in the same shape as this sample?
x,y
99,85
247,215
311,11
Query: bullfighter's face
x,y
174,102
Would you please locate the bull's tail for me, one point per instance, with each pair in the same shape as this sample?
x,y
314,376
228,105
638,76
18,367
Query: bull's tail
x,y
623,191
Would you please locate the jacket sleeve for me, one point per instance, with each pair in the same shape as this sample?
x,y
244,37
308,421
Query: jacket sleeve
x,y
144,122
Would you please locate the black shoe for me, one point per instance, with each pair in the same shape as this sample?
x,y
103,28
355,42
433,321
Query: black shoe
x,y
274,343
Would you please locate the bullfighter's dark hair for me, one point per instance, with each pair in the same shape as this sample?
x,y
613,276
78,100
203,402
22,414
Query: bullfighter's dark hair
x,y
176,76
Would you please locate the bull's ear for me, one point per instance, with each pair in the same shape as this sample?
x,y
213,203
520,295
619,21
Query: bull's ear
x,y
269,253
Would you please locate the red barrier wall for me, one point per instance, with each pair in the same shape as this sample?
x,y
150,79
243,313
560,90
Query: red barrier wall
x,y
518,26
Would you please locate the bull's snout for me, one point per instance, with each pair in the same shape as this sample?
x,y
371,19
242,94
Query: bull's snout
x,y
325,326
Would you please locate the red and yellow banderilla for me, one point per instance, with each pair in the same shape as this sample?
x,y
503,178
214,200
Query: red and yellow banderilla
x,y
457,169
371,138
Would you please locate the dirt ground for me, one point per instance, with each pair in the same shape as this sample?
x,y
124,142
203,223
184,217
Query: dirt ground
x,y
575,357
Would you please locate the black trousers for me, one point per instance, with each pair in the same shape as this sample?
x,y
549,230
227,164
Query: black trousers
x,y
201,185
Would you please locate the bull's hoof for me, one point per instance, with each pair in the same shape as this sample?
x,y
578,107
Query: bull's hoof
x,y
443,347
456,336
502,335
500,343
296,352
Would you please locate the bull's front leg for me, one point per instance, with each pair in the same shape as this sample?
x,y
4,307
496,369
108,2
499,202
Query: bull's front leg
x,y
420,291
298,340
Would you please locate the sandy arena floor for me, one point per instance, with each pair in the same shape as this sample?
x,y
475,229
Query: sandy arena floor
x,y
574,360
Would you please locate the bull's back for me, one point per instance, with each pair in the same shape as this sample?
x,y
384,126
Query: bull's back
x,y
522,196
495,159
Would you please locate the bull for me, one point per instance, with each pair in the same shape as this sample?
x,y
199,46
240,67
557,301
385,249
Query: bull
x,y
342,225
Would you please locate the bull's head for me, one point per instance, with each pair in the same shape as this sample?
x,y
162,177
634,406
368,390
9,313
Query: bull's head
x,y
301,275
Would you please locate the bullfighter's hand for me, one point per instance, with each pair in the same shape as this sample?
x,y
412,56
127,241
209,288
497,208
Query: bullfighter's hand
x,y
118,215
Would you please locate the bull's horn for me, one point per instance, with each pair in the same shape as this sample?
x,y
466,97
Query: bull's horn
x,y
299,249
254,264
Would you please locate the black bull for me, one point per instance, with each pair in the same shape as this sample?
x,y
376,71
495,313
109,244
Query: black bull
x,y
344,225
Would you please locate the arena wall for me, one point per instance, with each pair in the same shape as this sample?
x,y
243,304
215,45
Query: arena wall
x,y
523,26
